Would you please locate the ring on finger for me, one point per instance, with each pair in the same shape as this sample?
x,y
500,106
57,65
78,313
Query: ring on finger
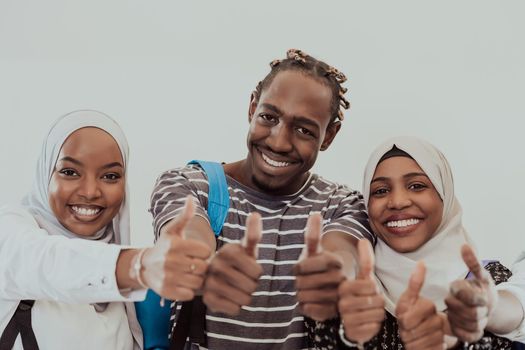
x,y
193,267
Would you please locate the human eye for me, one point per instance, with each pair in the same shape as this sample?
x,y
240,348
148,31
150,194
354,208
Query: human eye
x,y
417,186
268,118
305,131
68,172
111,177
379,191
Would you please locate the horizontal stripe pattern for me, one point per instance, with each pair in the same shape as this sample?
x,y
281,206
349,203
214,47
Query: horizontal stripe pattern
x,y
272,320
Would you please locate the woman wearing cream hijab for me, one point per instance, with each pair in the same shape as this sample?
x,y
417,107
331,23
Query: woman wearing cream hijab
x,y
408,188
50,246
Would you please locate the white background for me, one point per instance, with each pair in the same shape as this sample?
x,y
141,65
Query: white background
x,y
178,75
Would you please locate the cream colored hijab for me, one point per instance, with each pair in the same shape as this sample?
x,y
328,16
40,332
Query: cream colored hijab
x,y
442,253
37,201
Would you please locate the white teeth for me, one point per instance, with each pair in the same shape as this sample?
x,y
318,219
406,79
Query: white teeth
x,y
85,211
402,223
273,162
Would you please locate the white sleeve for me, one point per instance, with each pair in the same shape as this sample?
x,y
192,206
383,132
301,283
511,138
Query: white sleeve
x,y
38,266
516,286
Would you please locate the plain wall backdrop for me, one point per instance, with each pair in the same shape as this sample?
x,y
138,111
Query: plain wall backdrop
x,y
178,76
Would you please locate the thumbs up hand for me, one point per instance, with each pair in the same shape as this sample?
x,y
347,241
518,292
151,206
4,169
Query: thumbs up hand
x,y
361,304
420,325
233,273
318,275
175,267
471,301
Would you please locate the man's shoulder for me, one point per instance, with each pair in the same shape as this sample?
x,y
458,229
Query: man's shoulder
x,y
332,187
186,172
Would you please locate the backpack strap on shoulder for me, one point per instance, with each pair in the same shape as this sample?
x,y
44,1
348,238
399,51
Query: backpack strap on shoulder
x,y
218,195
20,323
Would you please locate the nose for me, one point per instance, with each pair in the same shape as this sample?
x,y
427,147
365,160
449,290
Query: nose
x,y
280,139
89,188
399,199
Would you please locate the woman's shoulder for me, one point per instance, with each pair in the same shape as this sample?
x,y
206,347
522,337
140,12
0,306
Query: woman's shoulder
x,y
16,215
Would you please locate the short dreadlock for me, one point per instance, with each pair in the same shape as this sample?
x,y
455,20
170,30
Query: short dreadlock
x,y
298,60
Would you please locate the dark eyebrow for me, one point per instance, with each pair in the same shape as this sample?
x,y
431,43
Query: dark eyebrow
x,y
111,165
72,160
406,176
297,119
79,163
304,120
272,108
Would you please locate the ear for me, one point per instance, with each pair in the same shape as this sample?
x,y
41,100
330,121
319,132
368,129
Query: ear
x,y
331,131
253,106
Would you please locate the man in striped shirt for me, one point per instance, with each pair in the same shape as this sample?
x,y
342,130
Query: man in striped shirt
x,y
258,301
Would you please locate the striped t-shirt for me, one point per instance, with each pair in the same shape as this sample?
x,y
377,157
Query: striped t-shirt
x,y
272,320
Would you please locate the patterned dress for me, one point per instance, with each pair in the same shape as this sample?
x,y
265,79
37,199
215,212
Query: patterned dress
x,y
325,335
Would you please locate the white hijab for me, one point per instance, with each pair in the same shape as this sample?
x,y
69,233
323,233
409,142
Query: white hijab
x,y
442,253
37,201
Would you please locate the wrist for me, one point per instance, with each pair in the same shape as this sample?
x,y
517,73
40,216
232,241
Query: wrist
x,y
136,270
347,341
125,275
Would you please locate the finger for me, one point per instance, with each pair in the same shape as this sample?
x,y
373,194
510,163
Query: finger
x,y
191,248
319,311
366,259
472,262
177,293
226,291
356,319
182,220
217,303
318,263
319,280
416,281
354,304
358,288
466,312
317,296
434,340
234,255
313,234
221,270
410,295
421,310
253,234
469,292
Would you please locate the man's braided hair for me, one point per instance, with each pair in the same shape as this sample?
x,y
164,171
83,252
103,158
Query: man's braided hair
x,y
300,61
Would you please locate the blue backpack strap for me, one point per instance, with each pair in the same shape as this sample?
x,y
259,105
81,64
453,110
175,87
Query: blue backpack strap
x,y
218,195
154,319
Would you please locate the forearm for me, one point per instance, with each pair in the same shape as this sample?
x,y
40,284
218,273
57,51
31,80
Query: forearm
x,y
344,246
507,315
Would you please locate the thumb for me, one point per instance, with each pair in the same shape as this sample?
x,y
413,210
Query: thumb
x,y
411,294
312,234
472,262
253,234
182,220
366,259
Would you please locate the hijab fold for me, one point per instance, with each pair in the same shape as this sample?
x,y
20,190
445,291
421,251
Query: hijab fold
x,y
442,253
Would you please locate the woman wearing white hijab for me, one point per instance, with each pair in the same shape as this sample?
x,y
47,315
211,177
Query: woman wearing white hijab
x,y
408,188
55,254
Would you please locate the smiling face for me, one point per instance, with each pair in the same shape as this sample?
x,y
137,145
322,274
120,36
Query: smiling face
x,y
289,124
404,207
87,185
